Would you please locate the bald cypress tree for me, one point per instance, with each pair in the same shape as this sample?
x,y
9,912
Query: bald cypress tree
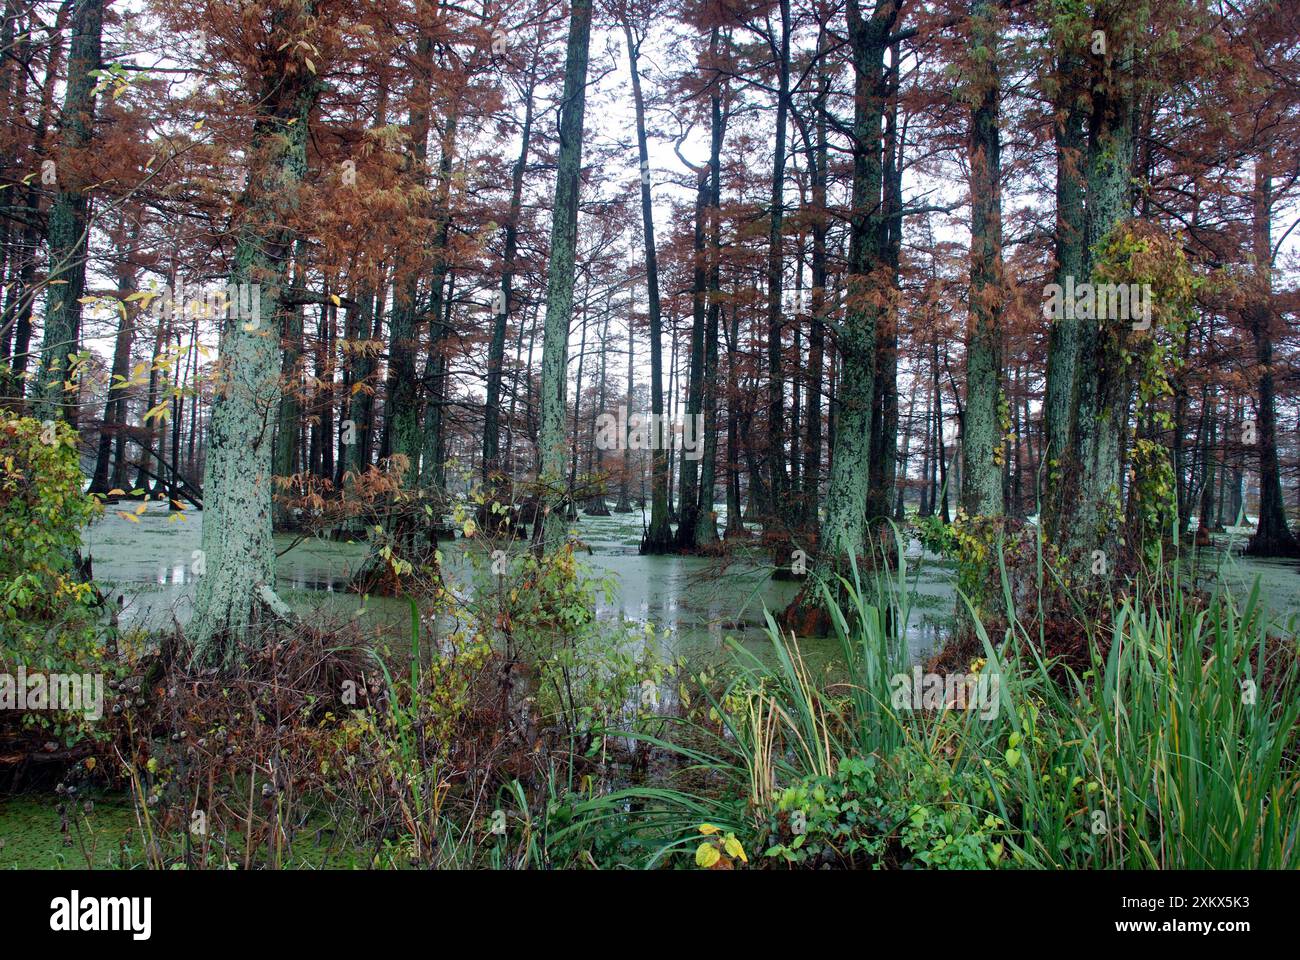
x,y
236,592
559,283
68,222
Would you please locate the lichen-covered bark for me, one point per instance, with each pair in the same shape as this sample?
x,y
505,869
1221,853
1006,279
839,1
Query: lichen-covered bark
x,y
1103,382
1063,336
68,229
846,497
981,493
235,593
559,285
1085,511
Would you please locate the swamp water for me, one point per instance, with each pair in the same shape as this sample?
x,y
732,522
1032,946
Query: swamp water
x,y
696,603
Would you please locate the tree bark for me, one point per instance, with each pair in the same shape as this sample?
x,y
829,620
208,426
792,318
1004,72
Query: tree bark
x,y
843,530
1272,537
982,493
235,594
658,539
496,352
69,223
559,286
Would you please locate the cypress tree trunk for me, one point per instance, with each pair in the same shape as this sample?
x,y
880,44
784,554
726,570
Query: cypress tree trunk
x,y
735,519
1205,511
904,460
706,523
285,459
658,539
571,506
596,505
842,532
884,407
982,493
940,446
236,591
706,520
1182,488
432,465
360,356
367,330
624,504
1086,511
1102,383
496,351
21,299
1064,336
817,167
1272,537
402,404
68,222
112,432
148,430
559,285
776,510
690,495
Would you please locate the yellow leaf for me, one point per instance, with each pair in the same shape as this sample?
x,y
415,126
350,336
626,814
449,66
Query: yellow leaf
x,y
160,411
733,847
706,855
199,125
129,516
334,299
141,509
708,829
115,492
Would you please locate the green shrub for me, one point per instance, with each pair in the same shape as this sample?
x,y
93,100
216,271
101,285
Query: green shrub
x,y
47,621
913,811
